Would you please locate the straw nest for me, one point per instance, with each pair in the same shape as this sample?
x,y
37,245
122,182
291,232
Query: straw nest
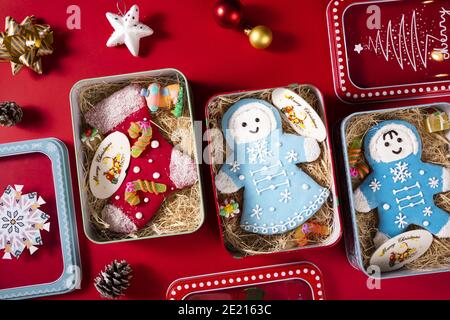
x,y
238,241
180,212
435,150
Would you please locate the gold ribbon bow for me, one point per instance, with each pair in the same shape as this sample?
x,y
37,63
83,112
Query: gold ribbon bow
x,y
24,44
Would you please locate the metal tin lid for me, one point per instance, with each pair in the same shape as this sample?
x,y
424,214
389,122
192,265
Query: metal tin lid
x,y
37,173
389,49
293,281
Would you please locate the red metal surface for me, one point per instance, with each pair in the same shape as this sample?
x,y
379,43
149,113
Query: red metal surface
x,y
257,277
214,60
406,40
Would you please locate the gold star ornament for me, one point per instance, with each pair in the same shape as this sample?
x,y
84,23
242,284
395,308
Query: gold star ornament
x,y
24,44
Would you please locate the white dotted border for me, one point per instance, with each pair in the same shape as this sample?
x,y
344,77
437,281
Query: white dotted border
x,y
368,94
308,273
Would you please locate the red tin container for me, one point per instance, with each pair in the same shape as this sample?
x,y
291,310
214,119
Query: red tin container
x,y
294,281
406,40
336,232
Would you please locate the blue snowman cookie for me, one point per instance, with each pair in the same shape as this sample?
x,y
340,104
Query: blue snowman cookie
x,y
278,195
401,186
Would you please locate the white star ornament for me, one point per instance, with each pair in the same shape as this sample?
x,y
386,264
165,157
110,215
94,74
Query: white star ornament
x,y
127,30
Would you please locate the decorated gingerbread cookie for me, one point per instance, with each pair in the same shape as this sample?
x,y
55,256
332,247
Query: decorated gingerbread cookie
x,y
401,186
278,195
156,168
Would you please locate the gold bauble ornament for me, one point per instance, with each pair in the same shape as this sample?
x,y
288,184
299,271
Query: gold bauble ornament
x,y
260,37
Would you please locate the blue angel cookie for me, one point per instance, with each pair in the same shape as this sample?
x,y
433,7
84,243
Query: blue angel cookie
x,y
278,195
401,186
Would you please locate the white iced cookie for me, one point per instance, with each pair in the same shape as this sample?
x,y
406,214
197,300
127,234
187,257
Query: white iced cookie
x,y
312,149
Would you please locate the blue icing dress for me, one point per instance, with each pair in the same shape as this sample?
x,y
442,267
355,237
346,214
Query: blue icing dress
x,y
402,190
278,195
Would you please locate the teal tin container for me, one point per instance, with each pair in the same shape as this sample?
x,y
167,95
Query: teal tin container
x,y
42,166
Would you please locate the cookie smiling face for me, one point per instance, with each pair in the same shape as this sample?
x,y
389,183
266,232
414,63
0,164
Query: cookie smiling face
x,y
251,122
393,142
396,142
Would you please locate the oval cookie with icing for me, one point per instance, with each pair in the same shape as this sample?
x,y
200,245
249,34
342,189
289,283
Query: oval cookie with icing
x,y
300,115
395,253
109,165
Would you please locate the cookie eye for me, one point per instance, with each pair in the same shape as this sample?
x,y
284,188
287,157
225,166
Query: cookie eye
x,y
387,144
244,124
257,120
400,140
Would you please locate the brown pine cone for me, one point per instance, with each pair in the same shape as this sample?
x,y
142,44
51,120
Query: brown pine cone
x,y
10,114
112,282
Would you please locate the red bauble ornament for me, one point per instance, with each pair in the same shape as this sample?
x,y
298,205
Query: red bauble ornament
x,y
228,13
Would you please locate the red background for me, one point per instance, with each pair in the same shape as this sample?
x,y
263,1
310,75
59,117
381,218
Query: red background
x,y
214,60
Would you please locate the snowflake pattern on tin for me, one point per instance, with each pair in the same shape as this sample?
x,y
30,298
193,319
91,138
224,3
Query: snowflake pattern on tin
x,y
21,222
401,221
375,185
400,172
433,183
259,152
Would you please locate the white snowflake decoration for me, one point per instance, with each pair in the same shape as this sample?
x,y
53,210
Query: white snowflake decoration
x,y
235,167
257,212
433,183
291,156
400,172
21,222
285,196
427,212
258,152
401,221
375,185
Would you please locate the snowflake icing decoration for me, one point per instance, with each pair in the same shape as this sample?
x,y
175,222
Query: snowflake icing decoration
x,y
375,185
427,212
433,183
285,196
401,221
259,152
21,222
235,166
400,172
257,212
291,156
